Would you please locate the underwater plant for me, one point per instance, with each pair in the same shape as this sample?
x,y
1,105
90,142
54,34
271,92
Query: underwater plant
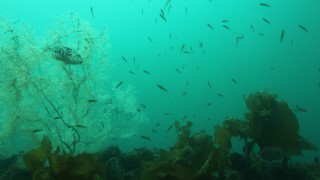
x,y
61,166
59,87
272,123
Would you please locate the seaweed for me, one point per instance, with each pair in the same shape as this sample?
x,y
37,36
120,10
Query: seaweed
x,y
183,160
272,123
83,166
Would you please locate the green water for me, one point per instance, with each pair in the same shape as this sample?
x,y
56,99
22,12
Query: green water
x,y
259,61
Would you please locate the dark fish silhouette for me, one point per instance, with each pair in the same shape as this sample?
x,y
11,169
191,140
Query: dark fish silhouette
x,y
299,109
150,39
37,130
119,84
209,84
124,59
281,36
146,138
234,81
170,127
303,28
226,27
66,55
219,94
265,5
252,28
162,88
147,72
92,100
209,25
239,38
162,15
91,10
266,20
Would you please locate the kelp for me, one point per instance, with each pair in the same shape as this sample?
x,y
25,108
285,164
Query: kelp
x,y
61,165
183,160
272,123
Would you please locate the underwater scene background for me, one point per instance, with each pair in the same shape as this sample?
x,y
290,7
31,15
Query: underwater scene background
x,y
85,76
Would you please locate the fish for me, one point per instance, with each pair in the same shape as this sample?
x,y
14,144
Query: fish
x,y
219,94
167,3
131,72
80,126
37,130
66,55
184,93
281,36
209,84
170,127
178,71
162,88
187,83
252,28
102,124
138,110
234,81
119,84
226,27
91,10
209,25
186,52
153,130
142,105
225,21
162,17
150,39
303,28
209,104
272,153
200,44
239,38
146,138
142,11
158,124
92,100
124,59
58,117
166,113
264,4
266,20
182,47
299,109
261,34
147,72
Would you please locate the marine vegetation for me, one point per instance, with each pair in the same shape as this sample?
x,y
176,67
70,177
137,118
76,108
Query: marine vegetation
x,y
58,86
62,165
272,123
194,156
269,123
